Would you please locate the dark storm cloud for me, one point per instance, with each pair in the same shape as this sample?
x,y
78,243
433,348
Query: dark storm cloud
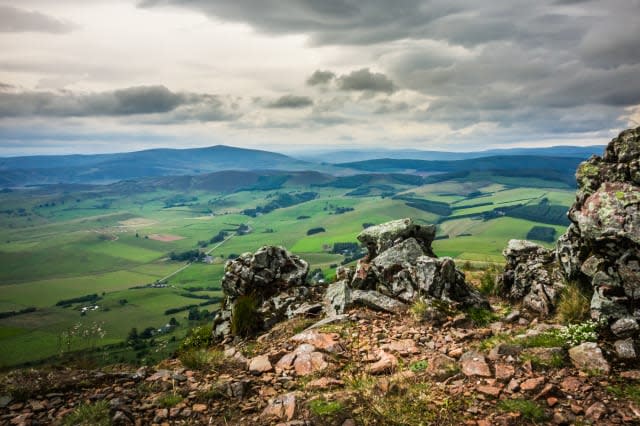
x,y
124,102
17,20
320,77
291,101
365,80
549,66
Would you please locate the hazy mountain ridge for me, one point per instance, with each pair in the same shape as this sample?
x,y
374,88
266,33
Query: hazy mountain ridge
x,y
341,156
110,168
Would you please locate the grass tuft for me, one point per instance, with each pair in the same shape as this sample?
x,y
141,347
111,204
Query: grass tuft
x,y
169,400
200,359
529,409
89,415
481,317
574,304
245,319
323,408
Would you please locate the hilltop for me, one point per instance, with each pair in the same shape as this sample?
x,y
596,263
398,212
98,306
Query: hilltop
x,y
403,336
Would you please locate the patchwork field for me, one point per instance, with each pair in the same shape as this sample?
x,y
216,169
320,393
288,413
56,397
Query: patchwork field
x,y
61,244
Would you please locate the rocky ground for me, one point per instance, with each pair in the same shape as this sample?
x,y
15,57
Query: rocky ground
x,y
365,368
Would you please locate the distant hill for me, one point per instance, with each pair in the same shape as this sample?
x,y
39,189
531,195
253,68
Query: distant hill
x,y
556,168
341,156
106,168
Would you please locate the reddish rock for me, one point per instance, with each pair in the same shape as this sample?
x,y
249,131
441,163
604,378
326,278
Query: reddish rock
x,y
474,364
630,374
493,391
504,372
552,401
596,411
576,409
386,362
259,365
323,341
282,407
441,367
571,385
402,347
323,383
308,363
531,385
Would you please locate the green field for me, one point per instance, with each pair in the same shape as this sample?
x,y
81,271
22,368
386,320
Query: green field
x,y
66,244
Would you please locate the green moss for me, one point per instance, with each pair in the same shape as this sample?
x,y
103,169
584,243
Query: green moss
x,y
529,409
556,361
324,408
550,339
419,366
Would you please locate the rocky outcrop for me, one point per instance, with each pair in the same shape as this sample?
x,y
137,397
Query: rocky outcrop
x,y
531,275
399,268
602,245
274,278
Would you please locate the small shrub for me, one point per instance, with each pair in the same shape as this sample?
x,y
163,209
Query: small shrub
x,y
245,319
481,317
574,304
169,400
89,415
197,337
549,339
556,361
487,283
419,309
576,334
199,359
419,366
324,408
529,409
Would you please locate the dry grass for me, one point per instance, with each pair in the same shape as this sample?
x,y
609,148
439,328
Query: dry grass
x,y
574,304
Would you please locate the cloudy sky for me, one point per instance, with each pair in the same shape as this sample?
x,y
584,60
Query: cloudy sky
x,y
81,76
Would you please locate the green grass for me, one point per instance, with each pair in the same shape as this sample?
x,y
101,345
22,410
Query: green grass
x,y
96,414
324,408
56,252
529,410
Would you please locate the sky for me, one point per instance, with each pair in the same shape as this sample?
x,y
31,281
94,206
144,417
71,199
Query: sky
x,y
87,76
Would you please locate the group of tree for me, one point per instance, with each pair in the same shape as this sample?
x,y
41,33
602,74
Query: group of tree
x,y
82,299
194,255
281,200
317,230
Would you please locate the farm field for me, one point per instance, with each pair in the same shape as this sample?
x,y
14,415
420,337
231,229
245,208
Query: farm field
x,y
120,252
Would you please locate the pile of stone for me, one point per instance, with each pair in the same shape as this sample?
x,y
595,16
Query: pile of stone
x,y
602,245
600,249
531,275
399,268
274,278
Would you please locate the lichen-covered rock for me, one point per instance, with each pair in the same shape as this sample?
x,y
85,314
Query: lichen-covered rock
x,y
337,298
271,275
267,272
381,237
531,275
399,268
602,246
